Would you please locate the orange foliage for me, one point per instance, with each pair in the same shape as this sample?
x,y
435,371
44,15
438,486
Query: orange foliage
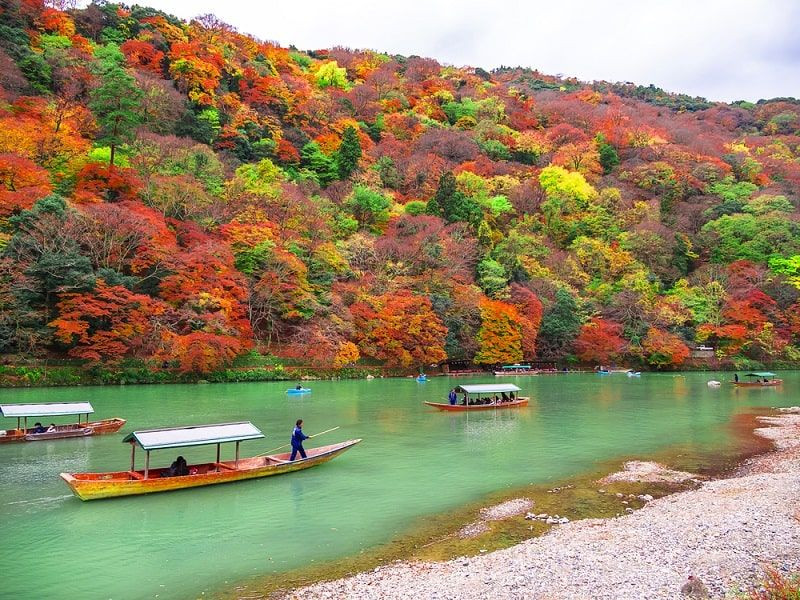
x,y
600,341
500,335
107,323
663,349
22,183
200,352
143,55
103,183
400,328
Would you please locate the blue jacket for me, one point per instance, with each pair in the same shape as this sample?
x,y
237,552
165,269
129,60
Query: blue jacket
x,y
452,397
297,437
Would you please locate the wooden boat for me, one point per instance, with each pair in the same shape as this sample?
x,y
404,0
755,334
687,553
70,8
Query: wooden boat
x,y
480,391
93,486
23,433
515,370
759,379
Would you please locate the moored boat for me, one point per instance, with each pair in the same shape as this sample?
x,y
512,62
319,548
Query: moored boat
x,y
484,397
93,486
759,379
46,410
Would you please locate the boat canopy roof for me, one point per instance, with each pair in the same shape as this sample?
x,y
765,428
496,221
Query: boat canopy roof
x,y
761,374
47,409
488,388
194,435
516,367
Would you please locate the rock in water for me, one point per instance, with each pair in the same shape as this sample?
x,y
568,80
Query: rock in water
x,y
694,588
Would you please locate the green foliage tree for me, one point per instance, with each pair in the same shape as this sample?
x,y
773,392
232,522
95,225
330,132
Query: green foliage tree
x,y
492,278
115,101
322,166
561,323
330,74
349,153
370,208
608,154
453,205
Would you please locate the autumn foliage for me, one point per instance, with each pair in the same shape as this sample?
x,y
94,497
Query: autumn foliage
x,y
181,193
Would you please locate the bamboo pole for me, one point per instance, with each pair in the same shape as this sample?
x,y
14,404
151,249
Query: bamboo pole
x,y
289,444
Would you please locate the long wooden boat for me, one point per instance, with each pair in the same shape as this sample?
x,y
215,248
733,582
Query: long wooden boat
x,y
93,486
522,401
23,433
487,396
759,379
515,370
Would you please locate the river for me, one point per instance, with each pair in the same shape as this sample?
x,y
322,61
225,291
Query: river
x,y
413,462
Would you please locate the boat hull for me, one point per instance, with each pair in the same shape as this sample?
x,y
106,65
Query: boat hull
x,y
462,408
94,486
515,373
65,431
758,384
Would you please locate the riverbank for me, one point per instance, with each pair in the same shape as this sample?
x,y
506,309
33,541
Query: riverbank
x,y
724,533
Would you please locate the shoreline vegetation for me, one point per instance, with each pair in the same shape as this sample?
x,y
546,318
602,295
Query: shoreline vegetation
x,y
636,532
249,368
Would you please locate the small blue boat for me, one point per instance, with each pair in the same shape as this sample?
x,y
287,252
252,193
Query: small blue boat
x,y
293,391
422,378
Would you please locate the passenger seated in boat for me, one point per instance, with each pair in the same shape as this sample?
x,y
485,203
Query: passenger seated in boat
x,y
298,387
504,396
52,428
178,468
38,428
513,397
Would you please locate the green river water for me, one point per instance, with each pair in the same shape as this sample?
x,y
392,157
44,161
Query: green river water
x,y
414,461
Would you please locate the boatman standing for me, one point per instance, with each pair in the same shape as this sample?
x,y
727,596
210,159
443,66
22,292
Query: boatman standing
x,y
297,440
452,396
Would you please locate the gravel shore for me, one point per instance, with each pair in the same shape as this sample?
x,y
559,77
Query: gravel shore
x,y
723,533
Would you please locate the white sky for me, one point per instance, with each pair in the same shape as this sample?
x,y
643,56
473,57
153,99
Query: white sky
x,y
721,49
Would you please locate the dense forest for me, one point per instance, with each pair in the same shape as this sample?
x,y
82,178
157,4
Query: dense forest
x,y
182,194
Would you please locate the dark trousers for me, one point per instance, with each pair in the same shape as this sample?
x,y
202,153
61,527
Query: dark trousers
x,y
296,450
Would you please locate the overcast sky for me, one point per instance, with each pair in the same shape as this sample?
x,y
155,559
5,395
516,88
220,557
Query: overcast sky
x,y
721,49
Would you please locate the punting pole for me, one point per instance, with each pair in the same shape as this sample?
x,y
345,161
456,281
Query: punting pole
x,y
218,458
236,464
147,465
133,456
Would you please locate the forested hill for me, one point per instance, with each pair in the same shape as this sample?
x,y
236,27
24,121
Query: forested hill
x,y
182,193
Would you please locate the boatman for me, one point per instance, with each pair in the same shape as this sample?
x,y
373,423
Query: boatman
x,y
297,440
452,397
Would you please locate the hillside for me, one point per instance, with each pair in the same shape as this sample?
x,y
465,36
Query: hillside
x,y
182,193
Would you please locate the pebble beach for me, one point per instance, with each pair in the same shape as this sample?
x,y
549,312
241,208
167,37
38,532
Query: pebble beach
x,y
723,533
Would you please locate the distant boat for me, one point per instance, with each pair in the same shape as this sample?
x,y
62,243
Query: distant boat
x,y
759,379
602,372
714,383
23,433
494,402
633,373
422,378
293,391
92,486
515,370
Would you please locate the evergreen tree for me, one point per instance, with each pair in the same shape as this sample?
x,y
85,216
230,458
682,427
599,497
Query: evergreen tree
x,y
349,153
608,154
320,164
451,204
560,325
115,101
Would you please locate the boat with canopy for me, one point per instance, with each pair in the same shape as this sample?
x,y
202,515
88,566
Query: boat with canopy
x,y
489,396
92,486
759,379
515,370
23,433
